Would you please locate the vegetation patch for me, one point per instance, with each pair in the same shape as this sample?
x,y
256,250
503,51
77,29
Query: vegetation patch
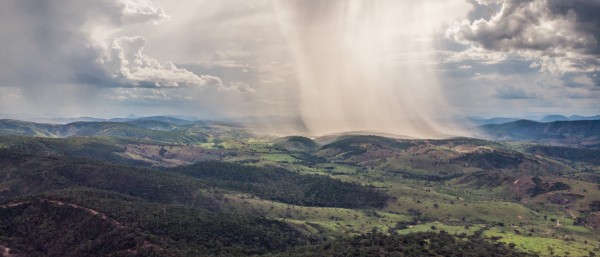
x,y
285,186
542,187
416,244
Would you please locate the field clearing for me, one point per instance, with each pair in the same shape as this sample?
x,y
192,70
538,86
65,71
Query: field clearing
x,y
542,245
335,220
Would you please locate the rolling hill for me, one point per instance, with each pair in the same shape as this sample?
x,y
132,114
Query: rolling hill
x,y
143,129
240,194
583,132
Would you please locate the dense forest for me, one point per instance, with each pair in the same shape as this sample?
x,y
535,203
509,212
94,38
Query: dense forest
x,y
285,186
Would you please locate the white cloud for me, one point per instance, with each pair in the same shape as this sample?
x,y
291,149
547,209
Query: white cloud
x,y
239,87
127,63
475,54
136,11
487,2
139,94
560,36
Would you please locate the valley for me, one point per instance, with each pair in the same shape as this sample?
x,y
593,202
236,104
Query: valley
x,y
252,194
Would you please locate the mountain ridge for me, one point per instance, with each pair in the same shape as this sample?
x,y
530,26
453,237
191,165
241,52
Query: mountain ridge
x,y
582,131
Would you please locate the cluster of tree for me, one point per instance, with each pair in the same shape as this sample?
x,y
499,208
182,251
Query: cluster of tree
x,y
595,206
42,173
30,174
285,186
428,177
296,144
86,222
356,145
41,228
414,244
487,179
573,154
542,187
308,159
491,159
104,149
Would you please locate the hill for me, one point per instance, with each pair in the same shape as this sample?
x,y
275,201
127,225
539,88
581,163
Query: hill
x,y
553,118
579,117
138,130
296,143
166,119
495,120
585,132
100,208
16,127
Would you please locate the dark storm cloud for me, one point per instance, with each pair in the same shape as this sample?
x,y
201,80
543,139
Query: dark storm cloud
x,y
560,36
587,16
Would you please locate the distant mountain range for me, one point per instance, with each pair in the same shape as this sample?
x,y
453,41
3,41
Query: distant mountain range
x,y
158,128
495,120
582,132
549,118
173,118
553,118
577,117
166,129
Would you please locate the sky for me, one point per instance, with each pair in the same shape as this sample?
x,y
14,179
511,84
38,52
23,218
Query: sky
x,y
288,58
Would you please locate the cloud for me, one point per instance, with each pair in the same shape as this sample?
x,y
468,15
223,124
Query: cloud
x,y
138,94
559,36
52,42
146,96
584,81
508,92
137,11
475,54
127,63
239,87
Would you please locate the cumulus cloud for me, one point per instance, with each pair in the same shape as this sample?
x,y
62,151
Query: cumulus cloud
x,y
127,63
54,42
140,11
559,36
